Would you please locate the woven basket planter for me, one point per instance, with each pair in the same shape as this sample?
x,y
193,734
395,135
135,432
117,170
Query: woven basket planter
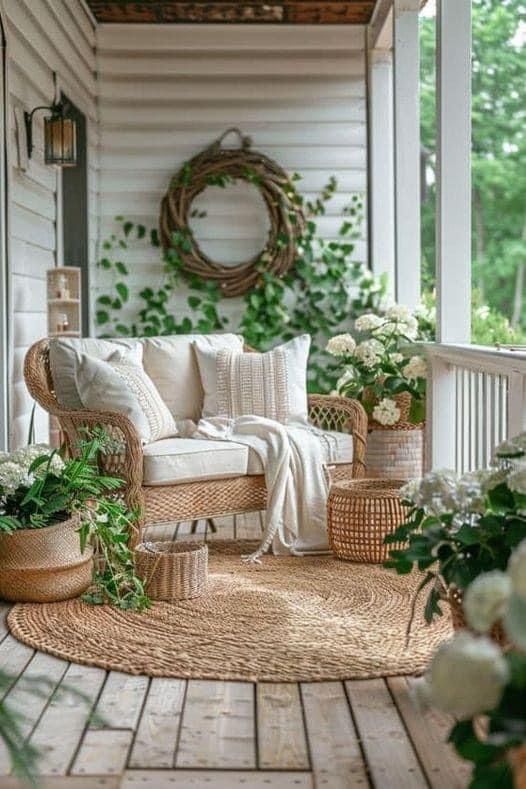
x,y
497,633
44,565
395,451
172,571
360,514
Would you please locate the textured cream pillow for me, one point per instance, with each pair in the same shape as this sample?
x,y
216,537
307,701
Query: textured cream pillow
x,y
119,384
271,384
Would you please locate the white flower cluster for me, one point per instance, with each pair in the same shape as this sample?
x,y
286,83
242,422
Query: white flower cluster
x,y
399,320
415,368
368,322
386,412
498,596
341,345
369,352
14,466
466,677
435,493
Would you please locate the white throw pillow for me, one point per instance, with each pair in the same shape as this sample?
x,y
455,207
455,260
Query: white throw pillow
x,y
271,384
171,364
119,384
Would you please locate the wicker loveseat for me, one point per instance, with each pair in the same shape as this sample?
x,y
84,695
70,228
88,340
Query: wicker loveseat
x,y
233,489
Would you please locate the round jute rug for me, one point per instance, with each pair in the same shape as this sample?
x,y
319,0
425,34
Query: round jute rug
x,y
286,620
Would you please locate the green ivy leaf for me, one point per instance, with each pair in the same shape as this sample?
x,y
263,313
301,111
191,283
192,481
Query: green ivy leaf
x,y
102,317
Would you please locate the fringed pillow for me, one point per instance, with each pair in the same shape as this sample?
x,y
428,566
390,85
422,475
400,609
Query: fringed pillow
x,y
271,384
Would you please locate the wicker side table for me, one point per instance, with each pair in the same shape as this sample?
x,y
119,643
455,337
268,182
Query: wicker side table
x,y
361,512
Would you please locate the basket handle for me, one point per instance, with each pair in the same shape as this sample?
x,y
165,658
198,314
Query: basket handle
x,y
243,139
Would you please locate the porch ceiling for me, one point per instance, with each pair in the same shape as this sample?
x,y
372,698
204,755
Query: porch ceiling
x,y
298,12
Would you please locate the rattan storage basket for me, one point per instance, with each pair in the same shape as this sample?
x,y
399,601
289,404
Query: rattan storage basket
x,y
361,513
172,570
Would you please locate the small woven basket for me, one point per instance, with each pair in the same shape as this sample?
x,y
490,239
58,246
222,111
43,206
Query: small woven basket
x,y
172,570
361,513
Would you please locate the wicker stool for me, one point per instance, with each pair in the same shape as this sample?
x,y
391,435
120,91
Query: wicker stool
x,y
361,513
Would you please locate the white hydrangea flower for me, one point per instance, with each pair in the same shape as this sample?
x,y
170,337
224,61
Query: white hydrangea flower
x,y
368,322
386,412
517,569
470,493
486,599
398,312
415,368
341,345
396,358
409,491
437,492
483,312
369,352
467,675
490,478
12,476
425,313
517,481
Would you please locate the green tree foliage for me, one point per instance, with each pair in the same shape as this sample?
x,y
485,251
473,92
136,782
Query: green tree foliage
x,y
498,153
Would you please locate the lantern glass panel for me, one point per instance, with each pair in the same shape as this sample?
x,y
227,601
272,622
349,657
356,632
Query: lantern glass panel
x,y
60,141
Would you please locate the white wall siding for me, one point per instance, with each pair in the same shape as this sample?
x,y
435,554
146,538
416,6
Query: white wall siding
x,y
43,36
167,91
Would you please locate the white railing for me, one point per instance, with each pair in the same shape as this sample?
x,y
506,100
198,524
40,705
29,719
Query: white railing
x,y
477,397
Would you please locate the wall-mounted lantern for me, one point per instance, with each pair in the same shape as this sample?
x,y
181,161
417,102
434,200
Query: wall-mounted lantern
x,y
60,135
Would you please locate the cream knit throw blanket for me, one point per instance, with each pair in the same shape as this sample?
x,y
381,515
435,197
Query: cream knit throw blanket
x,y
294,459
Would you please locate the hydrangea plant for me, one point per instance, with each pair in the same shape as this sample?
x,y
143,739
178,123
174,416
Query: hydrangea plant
x,y
461,526
39,488
377,366
470,676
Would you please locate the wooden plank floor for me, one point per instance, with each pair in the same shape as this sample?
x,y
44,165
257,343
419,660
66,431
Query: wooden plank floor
x,y
135,732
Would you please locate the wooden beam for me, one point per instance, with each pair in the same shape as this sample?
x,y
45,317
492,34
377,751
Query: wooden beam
x,y
407,150
453,219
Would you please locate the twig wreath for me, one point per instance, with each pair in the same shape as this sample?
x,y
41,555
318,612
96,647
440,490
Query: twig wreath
x,y
219,166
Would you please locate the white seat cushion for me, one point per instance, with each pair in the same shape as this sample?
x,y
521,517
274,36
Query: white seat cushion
x,y
172,461
339,450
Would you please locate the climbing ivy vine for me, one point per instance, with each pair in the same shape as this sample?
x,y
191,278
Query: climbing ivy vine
x,y
321,292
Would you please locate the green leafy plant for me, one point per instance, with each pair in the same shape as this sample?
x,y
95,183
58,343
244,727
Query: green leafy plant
x,y
460,527
38,488
483,684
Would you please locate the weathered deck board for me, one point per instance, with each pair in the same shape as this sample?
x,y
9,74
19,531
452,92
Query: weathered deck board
x,y
429,731
103,752
218,726
156,740
120,702
282,744
219,779
388,750
60,729
337,760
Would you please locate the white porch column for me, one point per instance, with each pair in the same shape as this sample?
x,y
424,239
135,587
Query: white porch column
x,y
453,220
407,150
381,165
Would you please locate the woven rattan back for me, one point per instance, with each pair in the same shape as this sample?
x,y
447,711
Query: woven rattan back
x,y
37,375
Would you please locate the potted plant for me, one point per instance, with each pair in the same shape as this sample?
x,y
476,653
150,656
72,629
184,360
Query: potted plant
x,y
390,382
484,687
51,511
461,526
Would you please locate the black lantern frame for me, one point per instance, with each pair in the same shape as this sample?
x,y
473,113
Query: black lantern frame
x,y
60,135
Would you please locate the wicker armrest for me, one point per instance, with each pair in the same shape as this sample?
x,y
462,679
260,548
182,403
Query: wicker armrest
x,y
331,412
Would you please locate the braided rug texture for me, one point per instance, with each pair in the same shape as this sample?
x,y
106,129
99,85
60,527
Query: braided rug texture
x,y
287,620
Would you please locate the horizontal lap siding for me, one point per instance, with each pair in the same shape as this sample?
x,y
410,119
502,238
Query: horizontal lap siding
x,y
167,91
42,36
